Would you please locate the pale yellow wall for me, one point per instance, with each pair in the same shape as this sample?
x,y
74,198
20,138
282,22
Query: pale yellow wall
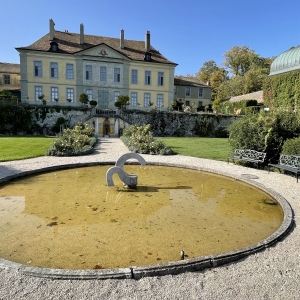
x,y
14,82
141,88
46,81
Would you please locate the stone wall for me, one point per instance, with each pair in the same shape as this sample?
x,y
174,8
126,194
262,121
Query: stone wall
x,y
182,124
162,123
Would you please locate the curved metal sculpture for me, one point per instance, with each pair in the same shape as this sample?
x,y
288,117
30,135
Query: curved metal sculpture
x,y
129,180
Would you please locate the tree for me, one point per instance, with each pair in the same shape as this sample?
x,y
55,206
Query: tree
x,y
122,102
206,70
84,98
217,78
239,59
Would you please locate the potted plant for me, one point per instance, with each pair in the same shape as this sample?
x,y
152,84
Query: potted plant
x,y
84,99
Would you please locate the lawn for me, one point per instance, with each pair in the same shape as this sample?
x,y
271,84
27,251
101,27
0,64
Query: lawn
x,y
211,148
13,148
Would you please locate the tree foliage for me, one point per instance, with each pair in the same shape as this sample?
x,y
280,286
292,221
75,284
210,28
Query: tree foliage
x,y
122,102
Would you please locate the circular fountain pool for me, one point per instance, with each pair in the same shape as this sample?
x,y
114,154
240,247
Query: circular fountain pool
x,y
71,220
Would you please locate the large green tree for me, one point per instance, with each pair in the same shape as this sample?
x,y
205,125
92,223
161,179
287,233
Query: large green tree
x,y
205,72
239,59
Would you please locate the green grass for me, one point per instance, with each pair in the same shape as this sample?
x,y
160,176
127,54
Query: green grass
x,y
13,148
211,148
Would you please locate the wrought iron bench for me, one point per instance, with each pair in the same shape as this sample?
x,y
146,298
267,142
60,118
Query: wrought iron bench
x,y
289,163
248,155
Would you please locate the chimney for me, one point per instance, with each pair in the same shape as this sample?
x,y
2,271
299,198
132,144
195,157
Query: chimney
x,y
51,23
122,39
147,41
81,34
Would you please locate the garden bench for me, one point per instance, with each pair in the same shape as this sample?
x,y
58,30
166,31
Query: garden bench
x,y
289,163
248,155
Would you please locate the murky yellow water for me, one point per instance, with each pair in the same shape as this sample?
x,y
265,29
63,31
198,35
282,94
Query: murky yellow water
x,y
70,219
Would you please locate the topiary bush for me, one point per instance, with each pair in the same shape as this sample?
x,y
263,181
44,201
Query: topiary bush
x,y
139,139
291,147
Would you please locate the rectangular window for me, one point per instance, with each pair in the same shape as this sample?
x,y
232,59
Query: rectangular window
x,y
102,73
160,78
187,103
70,71
175,90
133,99
160,100
6,79
90,94
147,77
38,69
200,94
134,76
200,103
117,75
146,99
38,91
188,92
88,72
54,70
70,94
116,95
54,94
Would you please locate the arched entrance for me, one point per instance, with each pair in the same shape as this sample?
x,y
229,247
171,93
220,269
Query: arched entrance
x,y
106,127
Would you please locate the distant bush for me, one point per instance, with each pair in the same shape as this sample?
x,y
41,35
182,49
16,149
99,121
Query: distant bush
x,y
229,107
139,139
291,147
73,142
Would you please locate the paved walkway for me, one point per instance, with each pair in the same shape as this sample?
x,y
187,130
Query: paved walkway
x,y
270,274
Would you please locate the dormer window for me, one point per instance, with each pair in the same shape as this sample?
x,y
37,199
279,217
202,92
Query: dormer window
x,y
53,47
147,56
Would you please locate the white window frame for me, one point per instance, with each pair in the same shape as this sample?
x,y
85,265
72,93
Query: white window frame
x,y
38,91
88,72
117,75
188,91
53,69
89,92
160,78
147,99
147,77
134,99
134,76
38,69
159,100
102,73
69,71
70,94
116,95
200,93
54,93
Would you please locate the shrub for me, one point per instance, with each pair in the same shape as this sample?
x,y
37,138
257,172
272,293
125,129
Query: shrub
x,y
265,132
73,142
139,139
291,147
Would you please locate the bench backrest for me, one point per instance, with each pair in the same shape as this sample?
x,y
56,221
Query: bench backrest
x,y
254,155
290,160
238,153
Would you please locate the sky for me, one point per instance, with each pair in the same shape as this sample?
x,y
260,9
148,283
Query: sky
x,y
188,32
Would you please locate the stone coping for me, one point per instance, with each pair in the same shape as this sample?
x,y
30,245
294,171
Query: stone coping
x,y
171,268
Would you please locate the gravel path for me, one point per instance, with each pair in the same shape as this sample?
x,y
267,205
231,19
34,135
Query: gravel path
x,y
271,274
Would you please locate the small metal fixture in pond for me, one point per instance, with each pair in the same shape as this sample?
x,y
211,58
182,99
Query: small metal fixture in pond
x,y
129,180
182,254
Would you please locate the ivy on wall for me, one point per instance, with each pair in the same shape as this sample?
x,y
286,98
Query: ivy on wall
x,y
283,90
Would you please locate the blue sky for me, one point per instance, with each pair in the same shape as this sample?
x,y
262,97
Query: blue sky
x,y
186,32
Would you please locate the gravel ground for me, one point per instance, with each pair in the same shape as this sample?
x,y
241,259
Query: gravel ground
x,y
271,274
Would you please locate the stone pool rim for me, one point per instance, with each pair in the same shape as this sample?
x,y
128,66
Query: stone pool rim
x,y
170,268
